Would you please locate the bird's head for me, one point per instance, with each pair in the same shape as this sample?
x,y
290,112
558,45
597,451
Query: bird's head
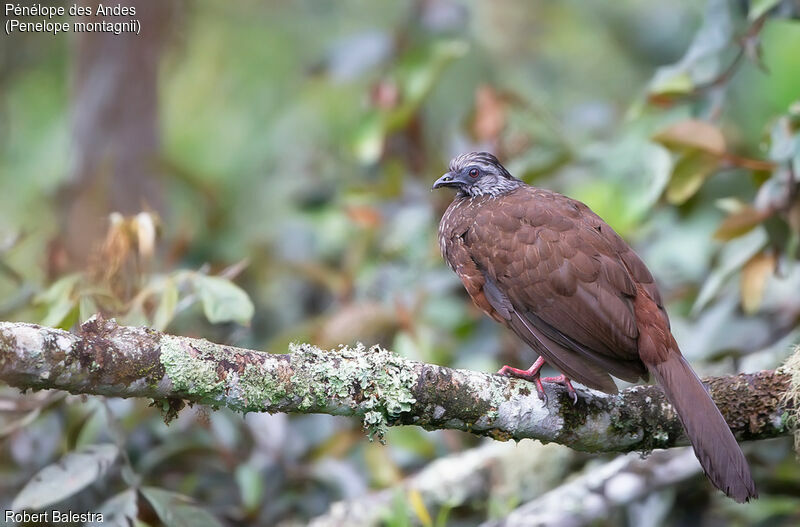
x,y
478,174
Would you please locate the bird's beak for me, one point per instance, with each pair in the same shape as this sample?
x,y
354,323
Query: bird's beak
x,y
446,180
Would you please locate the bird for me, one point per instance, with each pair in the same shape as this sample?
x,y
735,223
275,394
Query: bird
x,y
558,276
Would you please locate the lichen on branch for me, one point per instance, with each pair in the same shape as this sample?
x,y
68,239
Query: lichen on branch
x,y
373,384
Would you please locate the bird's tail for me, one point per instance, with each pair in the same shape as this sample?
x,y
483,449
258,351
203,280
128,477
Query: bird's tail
x,y
714,444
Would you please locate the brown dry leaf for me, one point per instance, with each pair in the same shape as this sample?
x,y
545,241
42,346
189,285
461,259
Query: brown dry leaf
x,y
145,226
740,222
753,280
793,216
112,263
693,133
364,216
490,114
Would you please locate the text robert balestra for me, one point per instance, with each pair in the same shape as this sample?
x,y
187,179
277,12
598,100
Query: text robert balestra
x,y
53,516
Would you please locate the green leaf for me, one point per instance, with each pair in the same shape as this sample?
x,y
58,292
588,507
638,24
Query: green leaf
x,y
86,308
678,84
59,288
135,316
421,71
657,166
175,510
760,7
60,301
251,486
418,73
691,170
165,311
398,515
442,515
782,141
181,444
223,301
733,256
10,427
118,511
69,475
369,138
703,60
93,425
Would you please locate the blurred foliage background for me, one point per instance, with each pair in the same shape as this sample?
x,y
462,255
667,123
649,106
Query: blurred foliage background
x,y
257,173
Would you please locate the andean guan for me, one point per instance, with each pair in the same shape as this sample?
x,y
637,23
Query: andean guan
x,y
564,282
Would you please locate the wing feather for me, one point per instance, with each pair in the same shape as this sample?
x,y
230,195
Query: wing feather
x,y
554,273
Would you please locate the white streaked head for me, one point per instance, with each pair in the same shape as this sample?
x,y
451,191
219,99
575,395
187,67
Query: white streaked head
x,y
478,174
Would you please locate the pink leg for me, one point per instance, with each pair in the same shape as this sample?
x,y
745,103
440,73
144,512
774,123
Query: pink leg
x,y
531,374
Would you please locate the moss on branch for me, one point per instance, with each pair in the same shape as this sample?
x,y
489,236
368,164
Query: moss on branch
x,y
373,384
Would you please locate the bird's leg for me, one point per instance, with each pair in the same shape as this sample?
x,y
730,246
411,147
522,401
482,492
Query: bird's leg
x,y
563,379
531,374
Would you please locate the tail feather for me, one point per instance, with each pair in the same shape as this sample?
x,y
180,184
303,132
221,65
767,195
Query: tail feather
x,y
714,444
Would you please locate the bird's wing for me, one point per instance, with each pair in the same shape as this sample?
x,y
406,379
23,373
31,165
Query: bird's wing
x,y
496,304
566,275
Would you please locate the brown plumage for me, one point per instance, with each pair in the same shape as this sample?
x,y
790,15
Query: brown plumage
x,y
562,280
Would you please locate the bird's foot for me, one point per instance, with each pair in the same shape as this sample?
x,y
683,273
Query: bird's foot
x,y
563,379
531,374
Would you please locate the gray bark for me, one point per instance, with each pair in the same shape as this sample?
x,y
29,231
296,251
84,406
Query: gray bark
x,y
601,490
373,384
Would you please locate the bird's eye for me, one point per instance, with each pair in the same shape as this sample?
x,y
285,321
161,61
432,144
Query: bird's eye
x,y
473,172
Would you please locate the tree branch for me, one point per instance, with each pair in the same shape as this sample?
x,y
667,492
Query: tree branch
x,y
594,495
375,385
501,472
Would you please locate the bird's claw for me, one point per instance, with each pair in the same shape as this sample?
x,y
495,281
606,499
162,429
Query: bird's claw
x,y
540,390
531,375
563,379
536,379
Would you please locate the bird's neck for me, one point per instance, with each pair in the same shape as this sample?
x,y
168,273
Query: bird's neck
x,y
498,187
